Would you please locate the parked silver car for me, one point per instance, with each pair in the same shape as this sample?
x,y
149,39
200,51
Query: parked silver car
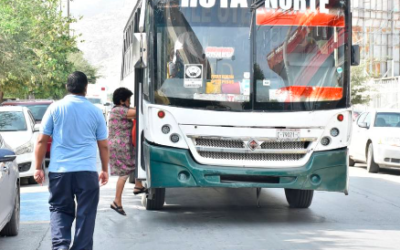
x,y
9,191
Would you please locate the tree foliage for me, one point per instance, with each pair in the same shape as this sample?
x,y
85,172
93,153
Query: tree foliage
x,y
35,46
359,85
81,64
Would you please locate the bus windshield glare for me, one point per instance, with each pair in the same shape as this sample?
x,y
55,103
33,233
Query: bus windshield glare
x,y
216,57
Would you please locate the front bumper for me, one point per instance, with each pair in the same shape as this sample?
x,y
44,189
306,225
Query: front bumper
x,y
173,167
387,155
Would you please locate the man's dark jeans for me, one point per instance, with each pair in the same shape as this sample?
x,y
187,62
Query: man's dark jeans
x,y
64,188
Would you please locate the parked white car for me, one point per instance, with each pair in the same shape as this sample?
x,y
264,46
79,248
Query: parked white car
x,y
18,128
376,140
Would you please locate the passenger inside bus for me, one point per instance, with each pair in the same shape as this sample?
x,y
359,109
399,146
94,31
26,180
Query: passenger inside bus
x,y
175,65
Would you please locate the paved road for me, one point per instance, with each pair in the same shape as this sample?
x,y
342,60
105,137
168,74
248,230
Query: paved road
x,y
369,218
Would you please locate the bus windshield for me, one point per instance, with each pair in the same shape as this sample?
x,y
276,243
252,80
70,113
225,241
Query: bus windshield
x,y
217,58
203,56
300,57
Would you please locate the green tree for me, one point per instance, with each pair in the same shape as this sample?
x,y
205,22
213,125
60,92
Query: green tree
x,y
359,87
81,64
35,49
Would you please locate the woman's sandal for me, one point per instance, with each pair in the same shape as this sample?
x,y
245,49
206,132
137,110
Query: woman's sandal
x,y
118,209
141,190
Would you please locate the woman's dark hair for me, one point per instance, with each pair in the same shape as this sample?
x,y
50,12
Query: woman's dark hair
x,y
121,94
77,83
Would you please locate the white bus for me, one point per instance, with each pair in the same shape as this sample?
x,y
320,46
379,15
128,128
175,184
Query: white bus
x,y
241,94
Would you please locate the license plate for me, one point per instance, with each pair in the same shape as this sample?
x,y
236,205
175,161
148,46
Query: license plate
x,y
288,134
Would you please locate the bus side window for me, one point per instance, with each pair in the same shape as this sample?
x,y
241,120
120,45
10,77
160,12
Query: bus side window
x,y
136,20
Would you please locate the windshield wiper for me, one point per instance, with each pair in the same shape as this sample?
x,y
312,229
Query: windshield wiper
x,y
254,6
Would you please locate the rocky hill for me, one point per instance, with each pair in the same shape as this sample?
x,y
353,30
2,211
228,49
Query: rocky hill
x,y
102,33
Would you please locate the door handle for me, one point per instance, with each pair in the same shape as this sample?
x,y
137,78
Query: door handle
x,y
5,168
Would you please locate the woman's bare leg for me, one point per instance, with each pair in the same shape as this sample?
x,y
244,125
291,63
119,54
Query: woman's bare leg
x,y
120,188
138,183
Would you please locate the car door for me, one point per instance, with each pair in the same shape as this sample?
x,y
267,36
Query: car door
x,y
357,138
6,187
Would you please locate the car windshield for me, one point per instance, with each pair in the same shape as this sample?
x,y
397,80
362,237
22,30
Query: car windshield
x,y
37,110
387,120
94,100
12,121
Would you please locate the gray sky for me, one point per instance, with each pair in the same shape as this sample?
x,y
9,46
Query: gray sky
x,y
89,8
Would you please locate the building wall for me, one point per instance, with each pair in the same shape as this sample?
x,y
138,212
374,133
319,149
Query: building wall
x,y
376,28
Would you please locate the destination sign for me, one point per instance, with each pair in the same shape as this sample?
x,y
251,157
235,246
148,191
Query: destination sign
x,y
296,5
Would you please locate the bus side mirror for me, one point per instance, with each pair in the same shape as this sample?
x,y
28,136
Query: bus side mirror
x,y
355,55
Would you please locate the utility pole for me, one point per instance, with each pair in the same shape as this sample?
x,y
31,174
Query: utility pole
x,y
68,10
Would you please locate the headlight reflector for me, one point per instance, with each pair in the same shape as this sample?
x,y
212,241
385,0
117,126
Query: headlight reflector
x,y
24,148
391,141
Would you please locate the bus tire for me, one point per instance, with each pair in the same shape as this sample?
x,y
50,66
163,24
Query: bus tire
x,y
352,163
132,178
157,202
299,198
372,167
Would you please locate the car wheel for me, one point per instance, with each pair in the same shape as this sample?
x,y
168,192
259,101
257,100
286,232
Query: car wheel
x,y
12,227
351,162
372,167
299,198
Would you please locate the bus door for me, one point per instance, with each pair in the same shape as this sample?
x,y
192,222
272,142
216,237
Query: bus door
x,y
140,170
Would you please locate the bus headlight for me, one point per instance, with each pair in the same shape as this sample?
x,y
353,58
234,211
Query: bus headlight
x,y
334,132
174,138
166,129
325,141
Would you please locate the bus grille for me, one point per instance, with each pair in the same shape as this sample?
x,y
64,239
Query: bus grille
x,y
285,145
250,156
219,143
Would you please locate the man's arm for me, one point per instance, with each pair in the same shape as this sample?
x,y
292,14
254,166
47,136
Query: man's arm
x,y
104,156
47,127
40,152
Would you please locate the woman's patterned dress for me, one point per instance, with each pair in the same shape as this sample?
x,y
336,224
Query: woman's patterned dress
x,y
122,154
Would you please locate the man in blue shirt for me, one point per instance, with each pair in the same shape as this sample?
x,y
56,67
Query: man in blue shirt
x,y
78,128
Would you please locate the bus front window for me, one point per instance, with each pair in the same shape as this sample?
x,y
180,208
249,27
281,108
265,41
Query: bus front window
x,y
300,58
203,56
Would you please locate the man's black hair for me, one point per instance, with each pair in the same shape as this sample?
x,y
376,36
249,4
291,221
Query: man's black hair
x,y
121,94
77,83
